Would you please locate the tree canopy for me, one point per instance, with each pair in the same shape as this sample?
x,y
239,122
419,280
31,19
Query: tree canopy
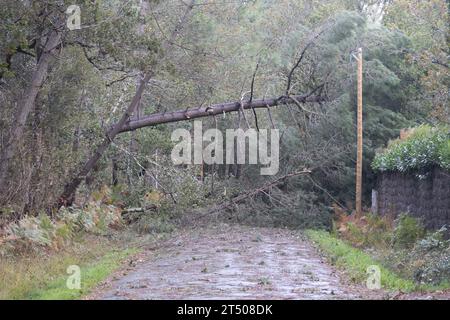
x,y
66,95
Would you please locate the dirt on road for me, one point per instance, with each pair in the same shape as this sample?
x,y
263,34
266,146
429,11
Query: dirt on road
x,y
230,262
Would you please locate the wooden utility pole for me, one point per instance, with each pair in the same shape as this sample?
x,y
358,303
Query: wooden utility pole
x,y
359,157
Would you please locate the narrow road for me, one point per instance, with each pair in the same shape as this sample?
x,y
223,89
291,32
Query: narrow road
x,y
230,262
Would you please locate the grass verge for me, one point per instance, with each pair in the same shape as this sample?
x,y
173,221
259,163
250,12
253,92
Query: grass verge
x,y
43,276
356,262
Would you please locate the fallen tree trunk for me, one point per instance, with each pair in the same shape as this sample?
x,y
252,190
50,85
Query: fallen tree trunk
x,y
201,112
68,196
125,125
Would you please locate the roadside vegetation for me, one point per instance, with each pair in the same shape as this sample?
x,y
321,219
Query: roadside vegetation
x,y
44,276
35,252
356,262
410,258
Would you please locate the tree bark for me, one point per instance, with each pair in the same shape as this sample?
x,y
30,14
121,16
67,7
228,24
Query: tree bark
x,y
27,104
115,170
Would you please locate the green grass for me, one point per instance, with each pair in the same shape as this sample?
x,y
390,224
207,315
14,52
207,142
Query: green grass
x,y
91,275
356,262
43,275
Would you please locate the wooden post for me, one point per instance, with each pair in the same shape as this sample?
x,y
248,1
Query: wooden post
x,y
359,158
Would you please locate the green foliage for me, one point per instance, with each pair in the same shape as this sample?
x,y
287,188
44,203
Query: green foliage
x,y
432,256
210,60
427,261
444,154
425,147
407,231
425,265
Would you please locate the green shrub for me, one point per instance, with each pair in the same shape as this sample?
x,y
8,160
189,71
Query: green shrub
x,y
433,253
444,154
402,246
425,147
407,231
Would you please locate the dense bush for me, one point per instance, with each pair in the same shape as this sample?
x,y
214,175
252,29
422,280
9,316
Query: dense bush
x,y
434,253
424,147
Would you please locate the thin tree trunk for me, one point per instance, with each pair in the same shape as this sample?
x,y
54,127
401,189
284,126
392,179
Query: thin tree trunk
x,y
68,196
36,164
27,104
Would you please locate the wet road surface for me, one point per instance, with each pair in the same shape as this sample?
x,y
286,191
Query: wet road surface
x,y
230,262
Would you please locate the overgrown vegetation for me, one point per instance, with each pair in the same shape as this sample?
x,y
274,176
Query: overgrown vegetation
x,y
401,245
35,252
421,149
208,60
33,234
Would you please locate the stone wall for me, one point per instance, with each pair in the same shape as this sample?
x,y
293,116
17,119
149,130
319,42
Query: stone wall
x,y
428,199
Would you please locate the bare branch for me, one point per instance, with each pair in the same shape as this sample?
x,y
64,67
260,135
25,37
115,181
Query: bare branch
x,y
300,59
251,95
